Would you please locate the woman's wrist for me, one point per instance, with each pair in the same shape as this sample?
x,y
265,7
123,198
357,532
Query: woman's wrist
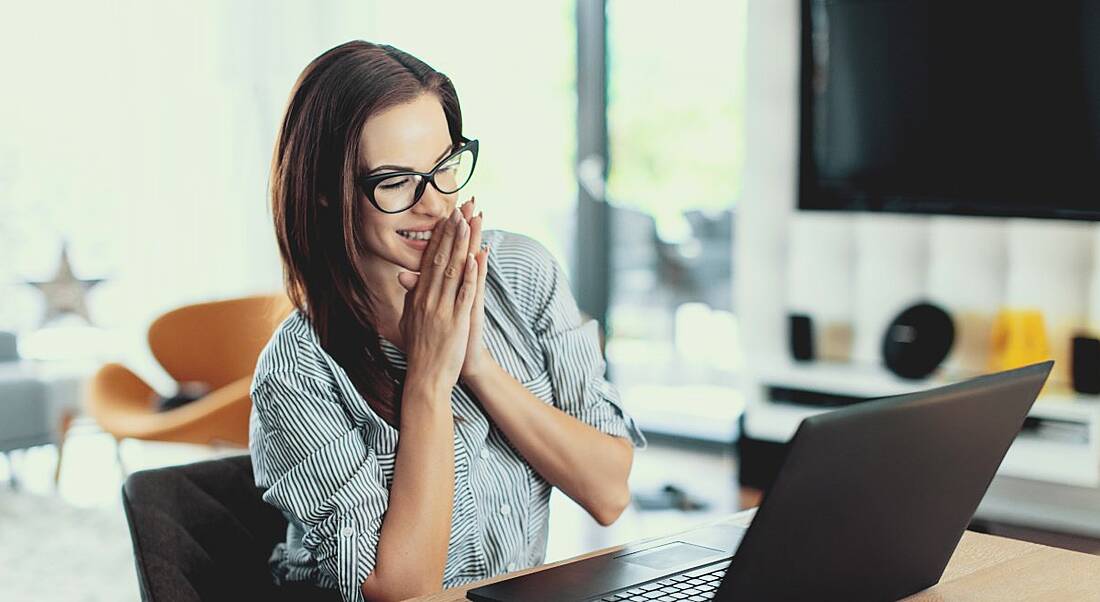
x,y
427,386
478,366
480,374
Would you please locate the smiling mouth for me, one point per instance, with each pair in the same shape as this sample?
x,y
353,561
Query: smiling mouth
x,y
424,235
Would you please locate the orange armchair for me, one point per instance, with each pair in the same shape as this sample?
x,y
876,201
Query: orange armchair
x,y
217,343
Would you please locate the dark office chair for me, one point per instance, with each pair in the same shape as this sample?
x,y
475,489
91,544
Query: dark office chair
x,y
201,532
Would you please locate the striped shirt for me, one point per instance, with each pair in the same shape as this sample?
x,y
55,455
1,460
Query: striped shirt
x,y
326,460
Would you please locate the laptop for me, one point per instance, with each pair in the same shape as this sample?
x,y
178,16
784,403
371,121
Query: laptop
x,y
869,504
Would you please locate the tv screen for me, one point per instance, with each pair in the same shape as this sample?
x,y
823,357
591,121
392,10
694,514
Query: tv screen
x,y
951,106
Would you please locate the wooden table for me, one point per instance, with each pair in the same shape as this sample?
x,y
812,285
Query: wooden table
x,y
983,567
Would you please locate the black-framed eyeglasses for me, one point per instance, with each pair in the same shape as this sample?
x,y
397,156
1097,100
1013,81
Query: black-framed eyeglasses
x,y
397,191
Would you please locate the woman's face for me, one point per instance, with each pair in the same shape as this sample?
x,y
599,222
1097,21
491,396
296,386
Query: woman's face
x,y
411,136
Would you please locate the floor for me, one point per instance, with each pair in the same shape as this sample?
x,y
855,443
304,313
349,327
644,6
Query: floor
x,y
90,477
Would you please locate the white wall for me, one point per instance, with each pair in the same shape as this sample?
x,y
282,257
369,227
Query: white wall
x,y
863,267
767,198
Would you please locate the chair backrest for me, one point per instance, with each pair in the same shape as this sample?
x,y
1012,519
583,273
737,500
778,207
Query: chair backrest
x,y
202,532
216,342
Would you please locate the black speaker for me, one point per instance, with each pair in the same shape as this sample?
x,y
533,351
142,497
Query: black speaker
x,y
802,337
1086,365
917,341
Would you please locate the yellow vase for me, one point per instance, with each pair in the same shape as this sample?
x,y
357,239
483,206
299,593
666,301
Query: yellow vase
x,y
1019,338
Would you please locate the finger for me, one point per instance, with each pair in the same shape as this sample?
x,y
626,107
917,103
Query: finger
x,y
468,290
433,249
433,244
482,270
475,235
441,259
408,280
468,209
452,276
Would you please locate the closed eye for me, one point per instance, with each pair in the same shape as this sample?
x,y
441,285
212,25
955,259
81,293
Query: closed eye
x,y
394,183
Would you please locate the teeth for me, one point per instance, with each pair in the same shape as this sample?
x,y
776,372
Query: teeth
x,y
425,235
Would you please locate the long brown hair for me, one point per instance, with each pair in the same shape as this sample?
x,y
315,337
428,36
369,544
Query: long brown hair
x,y
318,211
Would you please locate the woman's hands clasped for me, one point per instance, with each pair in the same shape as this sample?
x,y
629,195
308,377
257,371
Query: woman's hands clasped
x,y
438,321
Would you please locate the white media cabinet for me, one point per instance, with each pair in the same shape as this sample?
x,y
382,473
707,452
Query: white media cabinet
x,y
1049,479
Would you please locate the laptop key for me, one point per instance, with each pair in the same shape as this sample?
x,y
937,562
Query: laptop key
x,y
678,588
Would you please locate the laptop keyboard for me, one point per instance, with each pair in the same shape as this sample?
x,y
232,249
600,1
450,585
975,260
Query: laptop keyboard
x,y
677,587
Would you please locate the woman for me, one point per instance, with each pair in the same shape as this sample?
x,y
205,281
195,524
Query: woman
x,y
407,328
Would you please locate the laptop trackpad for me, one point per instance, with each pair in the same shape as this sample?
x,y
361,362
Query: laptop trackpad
x,y
670,555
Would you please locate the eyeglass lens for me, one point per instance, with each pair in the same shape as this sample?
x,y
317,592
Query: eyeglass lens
x,y
399,192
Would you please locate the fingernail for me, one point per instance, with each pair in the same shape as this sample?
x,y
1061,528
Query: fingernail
x,y
456,215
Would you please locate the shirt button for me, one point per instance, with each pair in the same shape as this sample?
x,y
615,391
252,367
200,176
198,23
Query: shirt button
x,y
484,453
505,509
347,531
511,566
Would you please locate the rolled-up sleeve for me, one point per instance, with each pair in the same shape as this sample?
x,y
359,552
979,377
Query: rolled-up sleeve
x,y
570,345
316,467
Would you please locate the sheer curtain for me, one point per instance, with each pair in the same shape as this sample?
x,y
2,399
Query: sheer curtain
x,y
141,134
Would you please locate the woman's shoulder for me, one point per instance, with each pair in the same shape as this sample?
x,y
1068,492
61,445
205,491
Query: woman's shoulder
x,y
517,250
292,350
524,264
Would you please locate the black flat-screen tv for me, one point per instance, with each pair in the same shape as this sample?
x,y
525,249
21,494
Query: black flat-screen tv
x,y
972,107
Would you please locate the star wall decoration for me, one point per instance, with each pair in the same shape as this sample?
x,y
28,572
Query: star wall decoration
x,y
65,293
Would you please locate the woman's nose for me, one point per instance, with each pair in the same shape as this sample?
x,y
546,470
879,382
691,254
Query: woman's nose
x,y
434,203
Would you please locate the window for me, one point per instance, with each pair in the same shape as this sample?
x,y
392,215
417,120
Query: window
x,y
142,136
675,93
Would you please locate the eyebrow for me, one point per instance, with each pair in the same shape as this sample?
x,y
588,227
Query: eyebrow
x,y
445,152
